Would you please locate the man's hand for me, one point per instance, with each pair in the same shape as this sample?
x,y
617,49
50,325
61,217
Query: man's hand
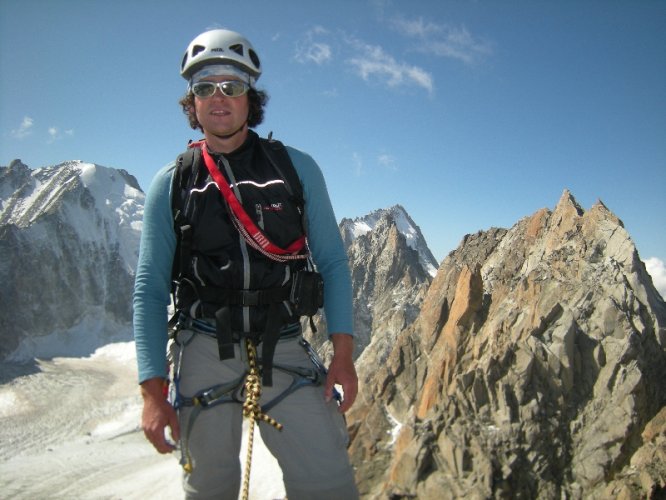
x,y
157,415
342,370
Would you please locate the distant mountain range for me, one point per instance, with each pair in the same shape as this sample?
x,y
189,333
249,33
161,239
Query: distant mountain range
x,y
528,364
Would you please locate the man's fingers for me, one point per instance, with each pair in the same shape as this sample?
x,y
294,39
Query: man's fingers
x,y
350,390
175,428
328,389
157,417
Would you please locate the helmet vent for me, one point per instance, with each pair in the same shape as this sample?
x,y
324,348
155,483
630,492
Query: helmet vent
x,y
237,48
255,58
196,49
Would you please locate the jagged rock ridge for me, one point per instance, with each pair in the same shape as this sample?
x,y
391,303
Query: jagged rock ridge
x,y
534,370
353,229
69,235
391,267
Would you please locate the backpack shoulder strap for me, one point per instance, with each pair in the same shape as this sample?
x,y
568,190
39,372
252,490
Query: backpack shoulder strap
x,y
187,168
279,158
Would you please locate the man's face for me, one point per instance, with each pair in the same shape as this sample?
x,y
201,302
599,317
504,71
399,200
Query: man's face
x,y
221,115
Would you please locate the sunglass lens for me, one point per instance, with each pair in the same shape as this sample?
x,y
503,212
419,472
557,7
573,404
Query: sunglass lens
x,y
232,88
203,89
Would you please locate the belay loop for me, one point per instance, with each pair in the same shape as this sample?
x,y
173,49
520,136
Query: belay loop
x,y
252,410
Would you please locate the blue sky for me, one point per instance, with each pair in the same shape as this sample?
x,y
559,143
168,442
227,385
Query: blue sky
x,y
469,114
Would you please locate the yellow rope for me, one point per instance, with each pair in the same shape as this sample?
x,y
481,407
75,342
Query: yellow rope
x,y
252,410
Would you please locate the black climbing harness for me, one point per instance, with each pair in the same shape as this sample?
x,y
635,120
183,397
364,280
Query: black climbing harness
x,y
237,390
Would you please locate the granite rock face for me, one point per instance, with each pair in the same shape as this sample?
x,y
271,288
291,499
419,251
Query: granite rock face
x,y
535,369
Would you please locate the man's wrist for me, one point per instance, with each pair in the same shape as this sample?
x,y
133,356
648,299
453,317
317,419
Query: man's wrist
x,y
343,344
153,388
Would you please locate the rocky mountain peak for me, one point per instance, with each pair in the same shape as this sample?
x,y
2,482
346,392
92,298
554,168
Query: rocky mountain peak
x,y
11,178
391,268
534,369
382,220
16,166
69,236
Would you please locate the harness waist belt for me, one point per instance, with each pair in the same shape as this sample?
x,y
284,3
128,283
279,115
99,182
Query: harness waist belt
x,y
250,298
207,327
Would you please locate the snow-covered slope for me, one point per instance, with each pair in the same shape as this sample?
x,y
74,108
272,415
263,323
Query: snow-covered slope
x,y
69,235
70,429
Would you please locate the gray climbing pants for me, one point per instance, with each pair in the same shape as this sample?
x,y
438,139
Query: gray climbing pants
x,y
310,449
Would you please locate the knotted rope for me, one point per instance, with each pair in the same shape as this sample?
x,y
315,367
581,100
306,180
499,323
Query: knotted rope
x,y
252,410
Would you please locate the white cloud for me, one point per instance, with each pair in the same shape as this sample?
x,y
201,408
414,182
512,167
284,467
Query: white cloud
x,y
27,126
318,53
25,129
373,61
310,50
459,44
443,40
657,270
388,161
55,134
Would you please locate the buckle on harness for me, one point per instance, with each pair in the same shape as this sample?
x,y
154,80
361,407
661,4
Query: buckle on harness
x,y
250,297
205,398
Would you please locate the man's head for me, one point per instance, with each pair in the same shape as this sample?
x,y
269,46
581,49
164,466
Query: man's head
x,y
221,47
219,55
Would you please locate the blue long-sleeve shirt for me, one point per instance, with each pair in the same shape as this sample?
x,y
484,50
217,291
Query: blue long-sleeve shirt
x,y
158,243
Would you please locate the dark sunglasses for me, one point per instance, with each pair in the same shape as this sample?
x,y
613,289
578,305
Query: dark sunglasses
x,y
230,88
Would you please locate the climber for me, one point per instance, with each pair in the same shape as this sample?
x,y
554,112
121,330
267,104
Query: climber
x,y
240,231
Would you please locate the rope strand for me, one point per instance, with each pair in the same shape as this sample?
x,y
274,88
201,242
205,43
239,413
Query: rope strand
x,y
252,410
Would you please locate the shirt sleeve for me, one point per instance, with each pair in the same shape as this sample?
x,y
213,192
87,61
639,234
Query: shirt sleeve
x,y
325,241
152,285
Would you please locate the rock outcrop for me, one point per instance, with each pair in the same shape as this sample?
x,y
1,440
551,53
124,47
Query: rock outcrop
x,y
534,370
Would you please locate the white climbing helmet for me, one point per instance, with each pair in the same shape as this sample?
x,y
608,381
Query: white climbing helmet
x,y
221,47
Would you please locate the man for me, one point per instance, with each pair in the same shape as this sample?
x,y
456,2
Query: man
x,y
240,256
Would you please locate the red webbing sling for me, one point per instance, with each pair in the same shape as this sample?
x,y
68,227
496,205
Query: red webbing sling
x,y
255,233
